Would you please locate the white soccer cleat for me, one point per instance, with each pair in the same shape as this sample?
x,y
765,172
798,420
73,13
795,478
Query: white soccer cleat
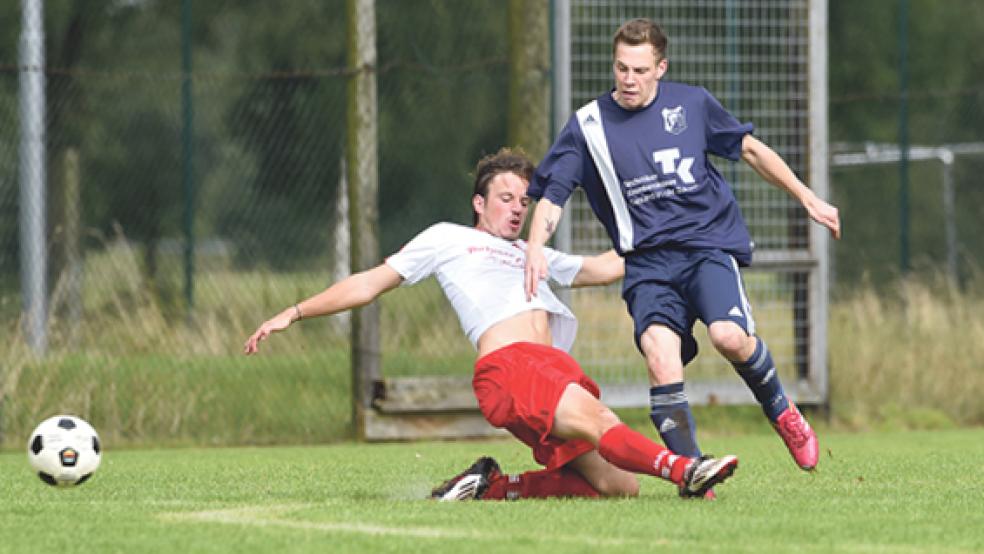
x,y
470,484
704,473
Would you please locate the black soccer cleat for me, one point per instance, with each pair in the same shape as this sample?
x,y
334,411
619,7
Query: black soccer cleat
x,y
470,484
704,473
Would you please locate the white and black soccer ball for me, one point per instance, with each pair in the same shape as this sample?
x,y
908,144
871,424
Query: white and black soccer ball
x,y
64,450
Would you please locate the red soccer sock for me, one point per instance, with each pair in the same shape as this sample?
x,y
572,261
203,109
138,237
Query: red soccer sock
x,y
546,483
632,451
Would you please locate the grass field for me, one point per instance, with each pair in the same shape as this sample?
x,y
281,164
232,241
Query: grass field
x,y
887,492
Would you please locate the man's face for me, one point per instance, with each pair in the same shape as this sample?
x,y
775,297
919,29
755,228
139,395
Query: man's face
x,y
502,212
637,74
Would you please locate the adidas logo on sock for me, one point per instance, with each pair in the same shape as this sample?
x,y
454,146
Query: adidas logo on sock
x,y
768,376
667,425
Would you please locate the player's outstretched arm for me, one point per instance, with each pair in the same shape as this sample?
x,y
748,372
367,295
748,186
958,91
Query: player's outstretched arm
x,y
545,219
773,169
351,292
602,269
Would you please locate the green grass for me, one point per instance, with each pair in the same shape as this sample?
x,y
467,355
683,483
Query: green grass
x,y
887,492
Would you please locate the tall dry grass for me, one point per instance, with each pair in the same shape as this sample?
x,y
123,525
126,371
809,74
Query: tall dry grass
x,y
132,359
910,356
135,361
138,365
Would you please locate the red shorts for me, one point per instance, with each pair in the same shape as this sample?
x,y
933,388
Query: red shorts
x,y
518,388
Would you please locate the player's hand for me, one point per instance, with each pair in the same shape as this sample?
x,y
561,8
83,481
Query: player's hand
x,y
536,270
824,214
270,326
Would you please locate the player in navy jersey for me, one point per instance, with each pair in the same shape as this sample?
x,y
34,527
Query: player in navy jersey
x,y
640,153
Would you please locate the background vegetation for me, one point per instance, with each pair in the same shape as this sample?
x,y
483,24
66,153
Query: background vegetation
x,y
150,383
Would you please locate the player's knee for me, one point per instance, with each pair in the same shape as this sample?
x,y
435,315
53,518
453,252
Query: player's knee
x,y
659,359
580,415
618,483
665,368
594,422
661,348
606,419
629,485
729,339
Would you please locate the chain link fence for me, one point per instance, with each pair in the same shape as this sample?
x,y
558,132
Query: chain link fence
x,y
887,235
166,249
754,57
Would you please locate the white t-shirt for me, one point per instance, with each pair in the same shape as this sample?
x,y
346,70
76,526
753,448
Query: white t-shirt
x,y
483,277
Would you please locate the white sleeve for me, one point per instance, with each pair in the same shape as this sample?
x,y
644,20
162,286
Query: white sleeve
x,y
563,267
418,258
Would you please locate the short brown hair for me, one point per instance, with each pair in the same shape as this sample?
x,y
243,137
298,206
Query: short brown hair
x,y
641,31
506,160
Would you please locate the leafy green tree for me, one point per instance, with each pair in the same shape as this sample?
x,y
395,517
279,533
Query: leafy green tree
x,y
946,105
443,101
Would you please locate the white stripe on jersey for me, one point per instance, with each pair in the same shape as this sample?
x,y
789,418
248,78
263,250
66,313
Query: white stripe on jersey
x,y
589,118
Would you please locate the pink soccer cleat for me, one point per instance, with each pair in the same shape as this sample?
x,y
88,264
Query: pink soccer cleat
x,y
798,436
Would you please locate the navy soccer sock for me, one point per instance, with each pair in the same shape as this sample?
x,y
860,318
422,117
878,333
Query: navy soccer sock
x,y
759,373
670,412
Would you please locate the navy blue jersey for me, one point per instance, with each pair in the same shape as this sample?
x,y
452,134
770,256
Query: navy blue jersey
x,y
646,172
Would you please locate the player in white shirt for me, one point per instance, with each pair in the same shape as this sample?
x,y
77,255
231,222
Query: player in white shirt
x,y
524,379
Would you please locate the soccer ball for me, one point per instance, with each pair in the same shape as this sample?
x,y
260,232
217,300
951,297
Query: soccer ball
x,y
64,450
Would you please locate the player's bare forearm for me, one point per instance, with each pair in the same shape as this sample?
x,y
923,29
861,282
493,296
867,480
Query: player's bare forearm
x,y
771,167
602,269
545,219
353,291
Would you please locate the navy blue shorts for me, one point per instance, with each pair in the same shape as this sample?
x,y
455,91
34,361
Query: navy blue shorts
x,y
677,287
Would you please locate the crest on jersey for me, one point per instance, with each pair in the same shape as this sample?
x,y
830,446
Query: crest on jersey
x,y
674,120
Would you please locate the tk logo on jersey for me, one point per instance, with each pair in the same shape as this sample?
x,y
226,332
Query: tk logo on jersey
x,y
671,163
674,120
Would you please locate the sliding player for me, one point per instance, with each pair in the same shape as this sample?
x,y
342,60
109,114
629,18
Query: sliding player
x,y
524,379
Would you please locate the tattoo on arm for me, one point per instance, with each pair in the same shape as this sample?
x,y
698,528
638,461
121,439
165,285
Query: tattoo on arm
x,y
551,225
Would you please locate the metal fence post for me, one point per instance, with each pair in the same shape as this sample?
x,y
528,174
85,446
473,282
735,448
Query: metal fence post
x,y
33,254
